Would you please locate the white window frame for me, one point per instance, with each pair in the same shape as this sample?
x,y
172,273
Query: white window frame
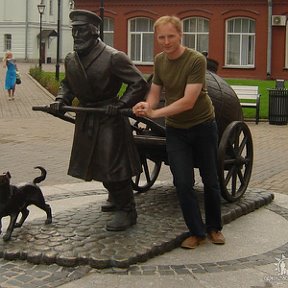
x,y
51,8
251,36
141,35
108,29
7,42
286,47
197,33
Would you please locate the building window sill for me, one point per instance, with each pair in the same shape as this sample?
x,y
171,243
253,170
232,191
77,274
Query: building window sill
x,y
239,67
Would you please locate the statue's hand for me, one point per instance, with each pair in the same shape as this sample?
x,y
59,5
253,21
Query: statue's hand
x,y
56,106
114,109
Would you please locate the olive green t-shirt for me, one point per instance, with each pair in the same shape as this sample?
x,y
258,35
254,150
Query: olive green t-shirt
x,y
173,76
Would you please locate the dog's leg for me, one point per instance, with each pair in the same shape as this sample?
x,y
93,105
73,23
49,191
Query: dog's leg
x,y
49,214
40,203
25,213
10,228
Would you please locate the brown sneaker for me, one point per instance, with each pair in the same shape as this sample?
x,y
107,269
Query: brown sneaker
x,y
192,242
216,237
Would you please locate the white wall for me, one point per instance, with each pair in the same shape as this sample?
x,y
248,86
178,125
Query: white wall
x,y
21,19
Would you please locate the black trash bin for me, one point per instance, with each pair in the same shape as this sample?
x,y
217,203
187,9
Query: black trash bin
x,y
278,106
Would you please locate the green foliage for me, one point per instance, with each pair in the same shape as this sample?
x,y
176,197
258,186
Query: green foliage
x,y
264,86
47,79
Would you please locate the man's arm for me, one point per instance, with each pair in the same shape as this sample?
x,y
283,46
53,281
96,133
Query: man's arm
x,y
187,102
153,97
152,101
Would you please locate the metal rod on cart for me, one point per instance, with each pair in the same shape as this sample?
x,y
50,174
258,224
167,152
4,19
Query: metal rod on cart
x,y
126,112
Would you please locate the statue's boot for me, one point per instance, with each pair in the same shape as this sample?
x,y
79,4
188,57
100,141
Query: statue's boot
x,y
109,205
122,220
123,197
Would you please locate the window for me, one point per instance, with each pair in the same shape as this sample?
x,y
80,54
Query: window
x,y
240,42
7,42
141,40
196,33
108,31
51,7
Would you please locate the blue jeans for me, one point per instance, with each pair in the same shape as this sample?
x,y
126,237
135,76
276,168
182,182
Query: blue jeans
x,y
191,148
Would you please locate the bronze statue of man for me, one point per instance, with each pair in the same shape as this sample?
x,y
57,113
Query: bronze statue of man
x,y
103,147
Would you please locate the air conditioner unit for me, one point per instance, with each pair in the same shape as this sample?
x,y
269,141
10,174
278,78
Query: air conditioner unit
x,y
278,20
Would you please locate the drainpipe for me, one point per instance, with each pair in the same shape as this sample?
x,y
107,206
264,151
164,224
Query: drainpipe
x,y
269,39
26,32
58,42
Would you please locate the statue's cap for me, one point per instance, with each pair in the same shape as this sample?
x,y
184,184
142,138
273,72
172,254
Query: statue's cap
x,y
83,17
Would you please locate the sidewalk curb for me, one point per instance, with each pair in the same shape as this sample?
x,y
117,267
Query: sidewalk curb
x,y
51,96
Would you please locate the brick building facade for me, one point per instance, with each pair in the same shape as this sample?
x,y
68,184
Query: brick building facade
x,y
247,38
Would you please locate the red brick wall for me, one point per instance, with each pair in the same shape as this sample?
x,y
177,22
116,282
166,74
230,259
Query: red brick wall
x,y
216,12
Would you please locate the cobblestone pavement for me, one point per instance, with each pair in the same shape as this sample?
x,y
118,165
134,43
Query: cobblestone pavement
x,y
100,252
29,138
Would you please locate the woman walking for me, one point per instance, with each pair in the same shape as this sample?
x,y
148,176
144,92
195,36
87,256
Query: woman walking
x,y
10,80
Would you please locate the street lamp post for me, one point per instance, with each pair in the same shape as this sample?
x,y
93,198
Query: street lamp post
x,y
41,8
58,43
102,17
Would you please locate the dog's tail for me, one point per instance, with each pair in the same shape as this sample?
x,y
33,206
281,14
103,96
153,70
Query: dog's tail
x,y
41,177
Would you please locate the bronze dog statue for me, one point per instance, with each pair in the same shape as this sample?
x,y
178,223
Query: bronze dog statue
x,y
16,199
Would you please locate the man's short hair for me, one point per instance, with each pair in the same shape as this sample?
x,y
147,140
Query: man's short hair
x,y
175,21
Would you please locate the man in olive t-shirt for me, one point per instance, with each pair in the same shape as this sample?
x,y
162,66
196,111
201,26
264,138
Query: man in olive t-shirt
x,y
189,68
191,130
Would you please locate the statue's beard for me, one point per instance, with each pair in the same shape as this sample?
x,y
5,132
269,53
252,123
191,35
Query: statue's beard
x,y
83,48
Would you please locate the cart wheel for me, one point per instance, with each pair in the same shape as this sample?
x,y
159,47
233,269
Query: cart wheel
x,y
149,137
143,181
235,160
